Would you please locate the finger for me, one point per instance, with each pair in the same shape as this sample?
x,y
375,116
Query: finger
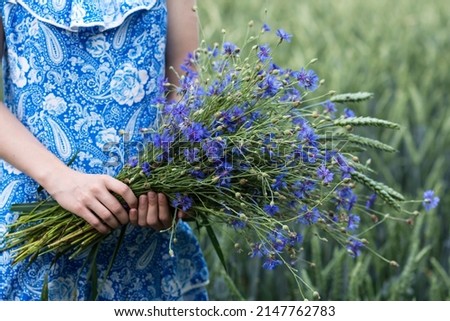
x,y
164,214
121,189
142,210
152,212
104,214
114,206
133,216
94,221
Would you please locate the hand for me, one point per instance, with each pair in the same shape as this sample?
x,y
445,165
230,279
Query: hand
x,y
154,211
92,198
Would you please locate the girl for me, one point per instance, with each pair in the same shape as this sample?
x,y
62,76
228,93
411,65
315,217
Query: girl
x,y
80,80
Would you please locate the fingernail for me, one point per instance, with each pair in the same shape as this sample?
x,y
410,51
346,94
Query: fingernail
x,y
151,195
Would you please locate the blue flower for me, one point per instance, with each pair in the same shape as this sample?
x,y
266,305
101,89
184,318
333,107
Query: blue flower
x,y
295,238
430,201
230,49
308,217
271,263
278,240
231,119
302,188
346,170
264,53
271,209
258,250
354,247
307,135
133,162
163,140
195,132
291,95
271,86
191,155
178,111
348,113
353,222
283,35
214,149
307,79
182,202
223,170
346,198
330,107
371,201
325,174
265,28
146,168
279,183
237,223
198,174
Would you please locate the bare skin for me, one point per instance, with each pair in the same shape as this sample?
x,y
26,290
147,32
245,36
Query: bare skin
x,y
91,196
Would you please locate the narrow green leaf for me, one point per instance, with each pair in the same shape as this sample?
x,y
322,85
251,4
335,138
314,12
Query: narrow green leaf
x,y
31,207
444,276
44,292
113,258
93,273
215,243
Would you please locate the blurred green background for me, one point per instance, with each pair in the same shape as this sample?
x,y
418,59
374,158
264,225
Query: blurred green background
x,y
400,51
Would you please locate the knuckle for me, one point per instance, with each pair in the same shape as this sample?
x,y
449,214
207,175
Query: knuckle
x,y
117,209
83,199
122,189
152,200
99,226
78,208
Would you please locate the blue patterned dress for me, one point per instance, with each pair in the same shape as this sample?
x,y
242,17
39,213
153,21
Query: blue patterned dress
x,y
82,76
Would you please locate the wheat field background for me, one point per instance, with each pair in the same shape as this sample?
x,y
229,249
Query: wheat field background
x,y
399,50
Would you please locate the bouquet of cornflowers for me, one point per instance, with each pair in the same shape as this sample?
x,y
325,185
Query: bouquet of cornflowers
x,y
247,145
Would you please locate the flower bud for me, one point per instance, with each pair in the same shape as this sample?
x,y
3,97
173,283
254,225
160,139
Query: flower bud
x,y
243,217
394,264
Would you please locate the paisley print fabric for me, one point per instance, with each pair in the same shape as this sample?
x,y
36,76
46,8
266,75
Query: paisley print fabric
x,y
83,76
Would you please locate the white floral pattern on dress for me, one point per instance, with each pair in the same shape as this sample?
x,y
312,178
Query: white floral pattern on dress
x,y
86,95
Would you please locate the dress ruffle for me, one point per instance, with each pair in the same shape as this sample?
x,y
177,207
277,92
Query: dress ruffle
x,y
74,15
